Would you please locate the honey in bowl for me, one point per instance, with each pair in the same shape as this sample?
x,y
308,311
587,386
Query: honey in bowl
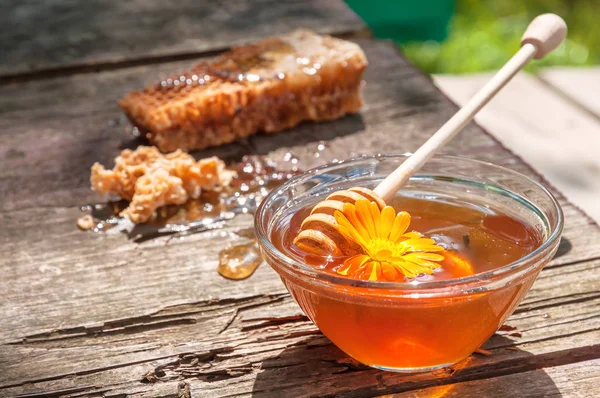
x,y
475,238
494,245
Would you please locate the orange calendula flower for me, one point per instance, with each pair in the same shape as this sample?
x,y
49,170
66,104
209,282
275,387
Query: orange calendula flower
x,y
390,253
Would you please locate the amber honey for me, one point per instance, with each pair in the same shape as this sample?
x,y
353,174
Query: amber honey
x,y
406,329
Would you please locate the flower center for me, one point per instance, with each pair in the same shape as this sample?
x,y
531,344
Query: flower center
x,y
381,249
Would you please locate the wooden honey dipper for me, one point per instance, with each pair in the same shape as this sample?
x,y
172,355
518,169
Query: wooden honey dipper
x,y
319,232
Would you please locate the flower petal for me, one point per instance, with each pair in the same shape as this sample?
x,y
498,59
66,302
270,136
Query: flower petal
x,y
365,271
420,245
420,242
390,273
407,269
401,223
375,272
363,211
415,259
350,213
353,264
376,215
428,248
347,230
412,235
428,256
388,215
343,270
428,266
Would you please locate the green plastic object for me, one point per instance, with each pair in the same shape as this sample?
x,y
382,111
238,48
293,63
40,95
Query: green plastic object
x,y
404,21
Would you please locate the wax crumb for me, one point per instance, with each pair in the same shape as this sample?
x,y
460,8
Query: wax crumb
x,y
86,222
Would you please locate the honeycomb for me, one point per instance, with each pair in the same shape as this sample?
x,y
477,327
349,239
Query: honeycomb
x,y
150,179
267,87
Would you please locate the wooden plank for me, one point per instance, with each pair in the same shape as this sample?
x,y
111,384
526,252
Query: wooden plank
x,y
39,36
581,85
573,380
87,314
555,136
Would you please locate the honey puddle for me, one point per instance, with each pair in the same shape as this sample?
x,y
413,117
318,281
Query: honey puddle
x,y
256,177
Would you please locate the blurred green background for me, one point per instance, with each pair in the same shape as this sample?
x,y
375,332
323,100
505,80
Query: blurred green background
x,y
467,36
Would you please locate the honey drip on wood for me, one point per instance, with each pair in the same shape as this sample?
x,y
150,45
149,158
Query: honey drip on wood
x,y
239,261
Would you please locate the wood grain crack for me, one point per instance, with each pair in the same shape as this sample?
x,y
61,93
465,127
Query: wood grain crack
x,y
272,321
201,366
171,316
556,301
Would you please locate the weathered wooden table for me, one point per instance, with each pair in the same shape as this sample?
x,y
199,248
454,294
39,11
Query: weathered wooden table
x,y
89,315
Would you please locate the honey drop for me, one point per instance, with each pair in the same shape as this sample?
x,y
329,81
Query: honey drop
x,y
240,261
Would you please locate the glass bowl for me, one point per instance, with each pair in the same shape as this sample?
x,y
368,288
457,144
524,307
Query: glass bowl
x,y
413,326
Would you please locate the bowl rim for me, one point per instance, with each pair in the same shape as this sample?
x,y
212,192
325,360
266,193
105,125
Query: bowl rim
x,y
413,286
